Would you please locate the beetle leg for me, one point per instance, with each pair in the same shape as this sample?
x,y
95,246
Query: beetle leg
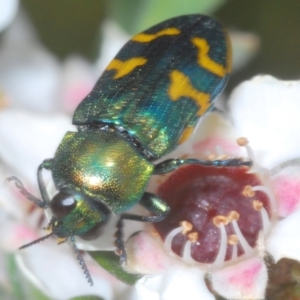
x,y
44,202
155,205
46,164
37,201
172,164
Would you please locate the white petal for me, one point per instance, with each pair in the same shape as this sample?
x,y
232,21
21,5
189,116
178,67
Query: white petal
x,y
29,74
55,270
244,280
266,111
212,133
177,282
145,255
284,241
8,10
27,139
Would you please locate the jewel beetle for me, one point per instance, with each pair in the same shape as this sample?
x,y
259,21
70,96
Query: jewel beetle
x,y
147,101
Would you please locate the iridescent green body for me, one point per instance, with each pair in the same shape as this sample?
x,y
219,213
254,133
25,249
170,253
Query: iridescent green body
x,y
103,165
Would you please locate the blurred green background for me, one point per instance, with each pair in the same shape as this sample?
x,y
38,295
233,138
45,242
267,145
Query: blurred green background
x,y
70,26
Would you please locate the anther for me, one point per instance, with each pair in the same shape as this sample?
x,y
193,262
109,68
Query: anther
x,y
232,239
61,240
257,205
186,227
248,191
211,157
233,215
242,141
193,237
218,220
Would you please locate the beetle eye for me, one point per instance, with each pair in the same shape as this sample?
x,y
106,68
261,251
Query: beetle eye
x,y
62,204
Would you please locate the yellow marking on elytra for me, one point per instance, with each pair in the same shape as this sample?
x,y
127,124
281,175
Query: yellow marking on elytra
x,y
123,68
187,132
181,87
148,37
204,60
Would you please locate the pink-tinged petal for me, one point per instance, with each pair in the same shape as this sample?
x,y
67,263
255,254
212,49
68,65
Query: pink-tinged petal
x,y
284,241
27,138
244,280
55,270
79,77
286,187
214,135
266,111
177,282
145,255
8,10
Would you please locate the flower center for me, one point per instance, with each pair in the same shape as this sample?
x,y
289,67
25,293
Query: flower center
x,y
217,214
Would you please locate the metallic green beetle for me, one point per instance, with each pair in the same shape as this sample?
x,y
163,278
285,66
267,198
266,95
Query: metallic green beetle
x,y
146,102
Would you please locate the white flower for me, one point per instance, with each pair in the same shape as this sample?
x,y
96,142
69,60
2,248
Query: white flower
x,y
232,245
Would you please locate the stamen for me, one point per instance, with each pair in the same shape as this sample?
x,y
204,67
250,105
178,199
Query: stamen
x,y
243,142
265,220
233,215
232,240
248,191
247,248
187,226
193,237
220,220
186,254
61,240
169,238
260,244
220,259
211,157
269,193
257,205
234,252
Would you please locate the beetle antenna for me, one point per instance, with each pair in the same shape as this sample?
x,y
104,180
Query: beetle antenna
x,y
37,241
81,262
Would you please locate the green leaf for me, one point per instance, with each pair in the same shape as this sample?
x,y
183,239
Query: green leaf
x,y
22,288
110,262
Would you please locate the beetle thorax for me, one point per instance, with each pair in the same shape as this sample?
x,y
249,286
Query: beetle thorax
x,y
103,165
